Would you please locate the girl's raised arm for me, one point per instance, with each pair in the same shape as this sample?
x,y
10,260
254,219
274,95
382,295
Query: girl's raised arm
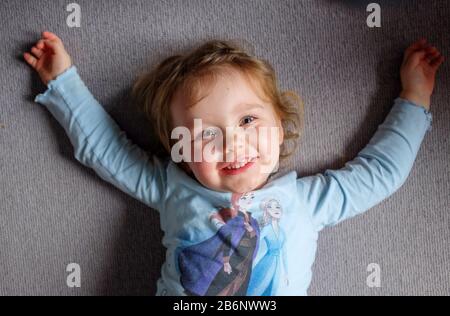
x,y
384,164
98,141
374,174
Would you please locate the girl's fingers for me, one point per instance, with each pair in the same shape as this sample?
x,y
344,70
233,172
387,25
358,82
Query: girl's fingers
x,y
433,53
417,45
49,35
436,62
416,57
431,49
432,56
46,35
52,44
40,44
37,52
413,47
30,59
49,40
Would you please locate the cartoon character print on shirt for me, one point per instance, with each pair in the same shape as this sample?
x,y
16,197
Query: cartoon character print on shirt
x,y
271,269
222,264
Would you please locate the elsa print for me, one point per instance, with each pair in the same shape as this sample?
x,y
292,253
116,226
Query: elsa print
x,y
271,269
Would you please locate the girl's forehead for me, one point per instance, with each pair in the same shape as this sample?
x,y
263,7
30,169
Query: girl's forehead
x,y
225,91
222,102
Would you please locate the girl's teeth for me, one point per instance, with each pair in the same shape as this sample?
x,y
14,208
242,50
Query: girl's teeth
x,y
238,165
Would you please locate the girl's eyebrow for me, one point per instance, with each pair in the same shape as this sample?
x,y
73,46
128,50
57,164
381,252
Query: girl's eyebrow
x,y
247,106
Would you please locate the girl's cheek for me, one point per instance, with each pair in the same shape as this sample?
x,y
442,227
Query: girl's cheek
x,y
204,168
268,141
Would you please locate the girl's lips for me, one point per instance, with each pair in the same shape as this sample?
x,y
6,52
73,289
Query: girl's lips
x,y
231,172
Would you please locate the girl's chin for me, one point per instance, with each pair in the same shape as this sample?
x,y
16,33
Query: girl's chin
x,y
245,184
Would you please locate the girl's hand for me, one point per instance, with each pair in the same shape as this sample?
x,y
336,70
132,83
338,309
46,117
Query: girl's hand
x,y
418,70
49,57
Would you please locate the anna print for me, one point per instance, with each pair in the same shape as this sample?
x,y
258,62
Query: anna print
x,y
222,264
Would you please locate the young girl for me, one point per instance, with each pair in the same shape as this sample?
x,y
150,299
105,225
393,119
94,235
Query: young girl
x,y
211,210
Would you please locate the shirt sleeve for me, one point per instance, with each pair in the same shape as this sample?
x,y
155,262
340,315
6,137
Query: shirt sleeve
x,y
374,174
100,144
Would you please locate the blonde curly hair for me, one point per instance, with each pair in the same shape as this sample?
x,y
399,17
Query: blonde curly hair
x,y
153,91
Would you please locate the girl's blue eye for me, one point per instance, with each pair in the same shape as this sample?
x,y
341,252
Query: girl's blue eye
x,y
247,120
209,133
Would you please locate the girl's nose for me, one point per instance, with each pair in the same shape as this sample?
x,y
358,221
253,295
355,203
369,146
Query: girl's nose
x,y
235,142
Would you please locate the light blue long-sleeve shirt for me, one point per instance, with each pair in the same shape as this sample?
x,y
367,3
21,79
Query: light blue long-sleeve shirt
x,y
198,244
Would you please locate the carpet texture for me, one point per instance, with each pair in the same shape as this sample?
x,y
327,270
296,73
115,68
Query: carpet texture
x,y
55,211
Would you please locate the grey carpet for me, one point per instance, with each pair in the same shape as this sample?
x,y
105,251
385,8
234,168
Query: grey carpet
x,y
55,211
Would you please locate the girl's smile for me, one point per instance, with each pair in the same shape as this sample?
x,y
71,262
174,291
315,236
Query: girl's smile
x,y
239,167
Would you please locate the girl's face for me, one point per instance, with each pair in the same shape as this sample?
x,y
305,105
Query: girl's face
x,y
258,134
